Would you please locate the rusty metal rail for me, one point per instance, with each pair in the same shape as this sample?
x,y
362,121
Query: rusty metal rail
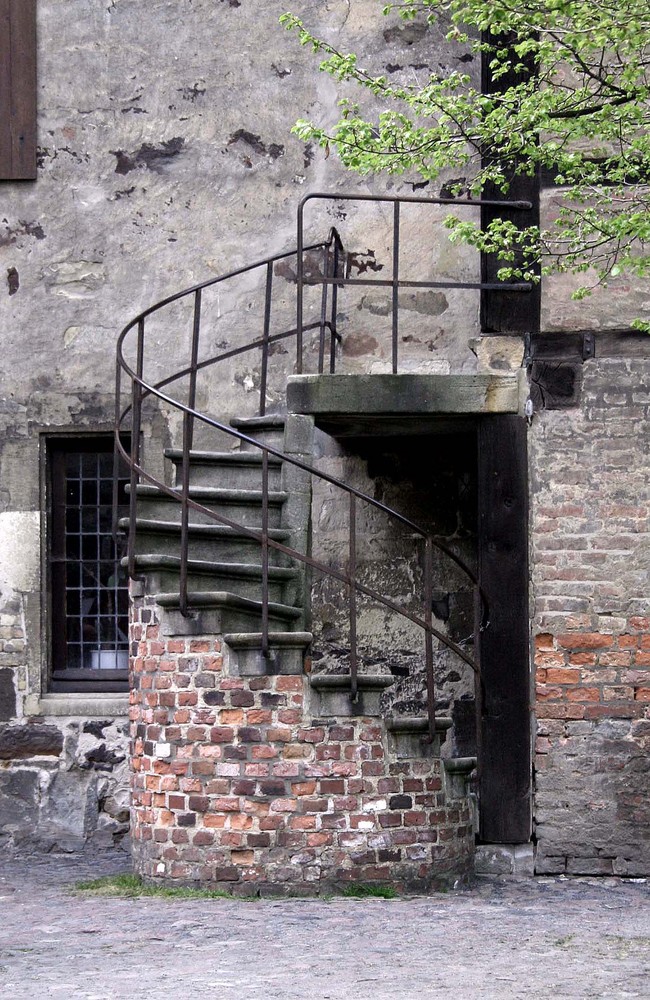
x,y
331,278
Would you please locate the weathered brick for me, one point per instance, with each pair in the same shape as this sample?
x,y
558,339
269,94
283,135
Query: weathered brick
x,y
584,640
564,675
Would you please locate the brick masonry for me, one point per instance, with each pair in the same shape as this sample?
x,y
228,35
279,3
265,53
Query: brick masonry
x,y
591,587
236,785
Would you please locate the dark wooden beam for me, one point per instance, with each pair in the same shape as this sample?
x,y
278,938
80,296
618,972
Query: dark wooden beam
x,y
506,312
17,90
505,755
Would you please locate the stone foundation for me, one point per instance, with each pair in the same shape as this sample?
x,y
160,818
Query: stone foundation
x,y
63,783
237,786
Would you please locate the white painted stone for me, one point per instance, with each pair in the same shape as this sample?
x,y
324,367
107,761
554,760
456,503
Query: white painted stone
x,y
20,548
379,805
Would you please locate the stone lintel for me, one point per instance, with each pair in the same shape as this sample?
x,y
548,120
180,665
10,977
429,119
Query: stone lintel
x,y
408,395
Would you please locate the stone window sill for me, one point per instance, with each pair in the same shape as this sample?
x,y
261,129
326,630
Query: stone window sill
x,y
98,706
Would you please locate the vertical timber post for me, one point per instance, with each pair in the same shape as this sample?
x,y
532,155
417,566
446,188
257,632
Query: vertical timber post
x,y
505,767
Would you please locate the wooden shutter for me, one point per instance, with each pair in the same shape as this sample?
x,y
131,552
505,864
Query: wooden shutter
x,y
17,90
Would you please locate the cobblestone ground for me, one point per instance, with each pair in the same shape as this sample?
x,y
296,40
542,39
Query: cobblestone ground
x,y
544,937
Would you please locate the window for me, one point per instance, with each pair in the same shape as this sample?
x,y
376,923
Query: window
x,y
17,90
88,593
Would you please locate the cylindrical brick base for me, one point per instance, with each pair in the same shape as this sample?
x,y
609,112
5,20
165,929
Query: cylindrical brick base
x,y
235,786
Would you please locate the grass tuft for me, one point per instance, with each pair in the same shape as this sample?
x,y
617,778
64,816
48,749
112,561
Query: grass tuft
x,y
131,886
358,891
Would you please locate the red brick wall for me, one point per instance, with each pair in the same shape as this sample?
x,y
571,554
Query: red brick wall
x,y
256,796
591,586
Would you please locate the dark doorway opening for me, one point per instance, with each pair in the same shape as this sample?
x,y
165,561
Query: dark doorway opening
x,y
464,480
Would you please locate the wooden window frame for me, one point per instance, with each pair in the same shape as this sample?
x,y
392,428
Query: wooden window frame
x,y
17,90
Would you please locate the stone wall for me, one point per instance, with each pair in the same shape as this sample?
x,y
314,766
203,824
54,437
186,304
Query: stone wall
x,y
591,579
237,785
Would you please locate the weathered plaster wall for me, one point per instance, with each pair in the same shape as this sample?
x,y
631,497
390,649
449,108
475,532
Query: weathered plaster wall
x,y
610,306
591,580
165,158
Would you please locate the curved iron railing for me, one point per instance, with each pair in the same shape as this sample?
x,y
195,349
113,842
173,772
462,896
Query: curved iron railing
x,y
330,277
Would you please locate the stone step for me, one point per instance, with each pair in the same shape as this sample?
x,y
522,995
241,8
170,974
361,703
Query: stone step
x,y
409,734
334,693
240,506
215,542
286,653
244,579
458,771
268,430
226,469
215,612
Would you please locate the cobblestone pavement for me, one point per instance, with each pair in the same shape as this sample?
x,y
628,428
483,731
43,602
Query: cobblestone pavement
x,y
545,937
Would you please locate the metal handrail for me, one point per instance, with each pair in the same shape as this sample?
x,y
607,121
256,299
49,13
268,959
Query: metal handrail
x,y
395,282
332,249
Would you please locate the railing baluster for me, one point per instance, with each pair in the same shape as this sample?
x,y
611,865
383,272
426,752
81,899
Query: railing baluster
x,y
479,625
395,284
194,358
299,289
428,638
188,440
352,573
185,512
136,404
116,457
323,310
265,554
335,294
265,337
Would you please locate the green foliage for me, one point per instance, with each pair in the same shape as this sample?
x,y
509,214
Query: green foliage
x,y
574,102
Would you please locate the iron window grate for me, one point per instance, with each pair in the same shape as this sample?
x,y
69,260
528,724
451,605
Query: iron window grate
x,y
89,590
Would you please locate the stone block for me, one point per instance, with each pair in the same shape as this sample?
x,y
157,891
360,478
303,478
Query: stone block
x,y
457,774
412,394
408,736
70,807
19,800
335,697
7,695
286,653
505,859
22,742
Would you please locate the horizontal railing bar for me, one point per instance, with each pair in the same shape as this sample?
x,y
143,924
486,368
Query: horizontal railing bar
x,y
518,205
487,286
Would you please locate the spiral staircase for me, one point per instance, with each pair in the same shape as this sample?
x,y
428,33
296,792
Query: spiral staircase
x,y
220,538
